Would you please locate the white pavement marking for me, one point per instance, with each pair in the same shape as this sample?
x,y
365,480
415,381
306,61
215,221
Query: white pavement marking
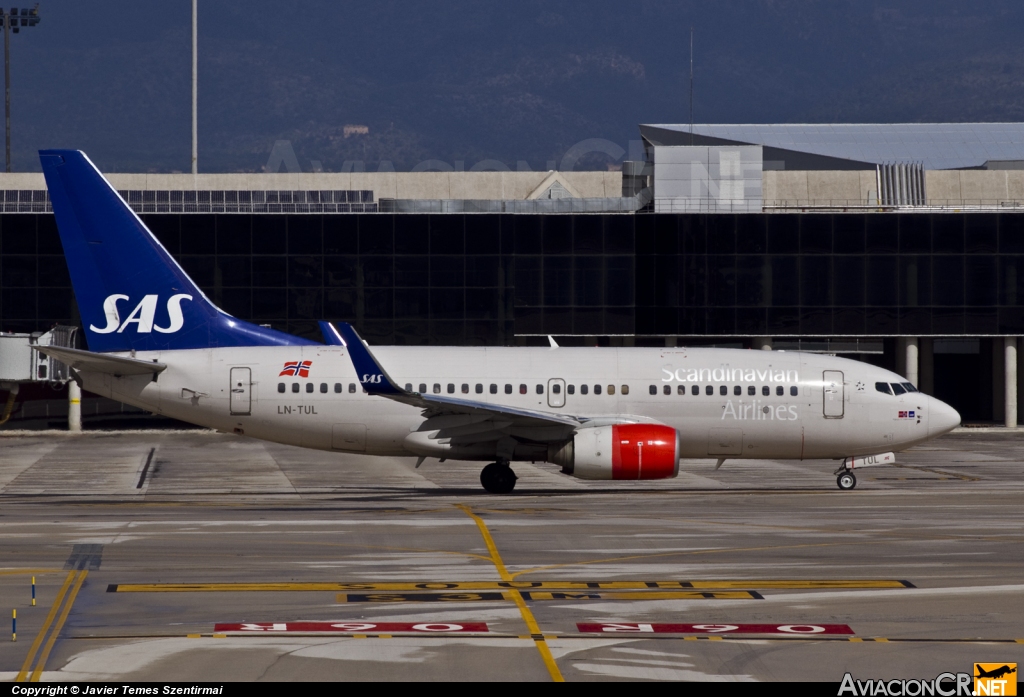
x,y
20,455
62,471
123,660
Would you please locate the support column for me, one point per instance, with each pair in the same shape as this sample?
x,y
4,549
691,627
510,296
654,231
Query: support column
x,y
901,356
998,380
762,343
1010,388
74,407
927,358
912,360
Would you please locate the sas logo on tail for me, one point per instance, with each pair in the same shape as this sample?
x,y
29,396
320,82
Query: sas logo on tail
x,y
296,369
143,316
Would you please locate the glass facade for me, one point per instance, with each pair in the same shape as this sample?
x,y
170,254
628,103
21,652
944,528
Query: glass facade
x,y
484,278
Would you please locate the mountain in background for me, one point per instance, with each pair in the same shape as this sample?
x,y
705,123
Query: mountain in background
x,y
401,84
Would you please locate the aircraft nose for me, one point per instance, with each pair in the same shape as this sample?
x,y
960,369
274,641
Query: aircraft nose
x,y
942,418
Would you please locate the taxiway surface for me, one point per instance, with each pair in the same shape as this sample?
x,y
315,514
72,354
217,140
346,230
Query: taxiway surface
x,y
208,557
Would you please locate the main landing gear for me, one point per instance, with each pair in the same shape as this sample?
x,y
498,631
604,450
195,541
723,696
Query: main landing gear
x,y
846,481
498,478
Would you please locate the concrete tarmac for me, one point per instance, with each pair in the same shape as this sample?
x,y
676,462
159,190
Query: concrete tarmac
x,y
196,556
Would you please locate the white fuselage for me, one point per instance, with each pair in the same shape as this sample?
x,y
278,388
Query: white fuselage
x,y
828,407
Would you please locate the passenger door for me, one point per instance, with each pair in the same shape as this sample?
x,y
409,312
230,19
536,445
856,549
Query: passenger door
x,y
833,394
241,391
556,392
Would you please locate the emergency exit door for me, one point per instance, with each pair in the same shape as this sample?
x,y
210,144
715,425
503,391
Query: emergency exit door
x,y
833,394
241,391
556,392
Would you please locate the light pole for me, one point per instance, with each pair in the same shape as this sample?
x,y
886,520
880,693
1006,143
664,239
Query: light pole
x,y
195,87
15,19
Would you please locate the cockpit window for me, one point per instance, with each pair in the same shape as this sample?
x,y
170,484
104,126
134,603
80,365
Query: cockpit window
x,y
897,388
883,387
909,386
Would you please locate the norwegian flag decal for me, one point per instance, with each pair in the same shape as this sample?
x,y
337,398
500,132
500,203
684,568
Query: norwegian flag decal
x,y
296,368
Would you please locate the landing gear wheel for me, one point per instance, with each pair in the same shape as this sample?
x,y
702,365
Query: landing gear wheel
x,y
498,478
846,481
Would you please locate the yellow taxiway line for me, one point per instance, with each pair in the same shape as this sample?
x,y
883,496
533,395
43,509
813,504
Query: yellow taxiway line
x,y
458,586
57,602
531,623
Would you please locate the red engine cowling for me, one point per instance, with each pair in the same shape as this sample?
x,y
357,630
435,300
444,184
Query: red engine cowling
x,y
625,451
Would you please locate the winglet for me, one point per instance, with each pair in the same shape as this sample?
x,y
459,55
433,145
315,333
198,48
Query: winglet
x,y
374,378
330,333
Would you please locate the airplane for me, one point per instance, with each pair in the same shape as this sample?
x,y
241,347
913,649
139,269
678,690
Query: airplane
x,y
995,672
155,341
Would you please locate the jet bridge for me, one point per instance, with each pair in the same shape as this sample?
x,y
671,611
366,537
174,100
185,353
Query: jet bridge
x,y
20,364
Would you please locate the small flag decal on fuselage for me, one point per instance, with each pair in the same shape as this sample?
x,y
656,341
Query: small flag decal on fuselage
x,y
903,414
296,369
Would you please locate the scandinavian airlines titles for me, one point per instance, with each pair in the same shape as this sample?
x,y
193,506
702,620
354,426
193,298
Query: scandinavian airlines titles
x,y
730,375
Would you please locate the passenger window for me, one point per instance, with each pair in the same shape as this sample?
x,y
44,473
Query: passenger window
x,y
766,391
908,386
883,387
584,389
597,389
508,389
323,387
295,387
494,388
352,388
451,388
437,388
423,388
681,389
695,390
337,388
625,389
309,387
723,390
522,389
667,389
570,389
408,387
794,391
709,390
465,388
479,388
780,391
737,390
751,390
556,388
540,389
653,389
611,389
898,389
280,387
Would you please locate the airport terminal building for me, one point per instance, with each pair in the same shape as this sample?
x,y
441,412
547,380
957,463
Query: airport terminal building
x,y
899,244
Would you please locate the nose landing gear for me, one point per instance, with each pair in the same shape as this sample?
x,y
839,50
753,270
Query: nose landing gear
x,y
498,478
846,481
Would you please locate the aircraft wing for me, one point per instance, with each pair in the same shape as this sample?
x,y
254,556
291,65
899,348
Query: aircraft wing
x,y
88,361
481,420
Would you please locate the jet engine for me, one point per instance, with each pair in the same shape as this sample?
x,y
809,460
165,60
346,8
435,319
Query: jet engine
x,y
621,451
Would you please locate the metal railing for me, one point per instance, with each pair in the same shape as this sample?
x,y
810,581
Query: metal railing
x,y
866,206
217,201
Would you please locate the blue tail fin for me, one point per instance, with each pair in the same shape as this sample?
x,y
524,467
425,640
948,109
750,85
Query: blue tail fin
x,y
131,293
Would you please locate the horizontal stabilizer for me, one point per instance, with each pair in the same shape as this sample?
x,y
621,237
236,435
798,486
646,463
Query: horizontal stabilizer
x,y
89,362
